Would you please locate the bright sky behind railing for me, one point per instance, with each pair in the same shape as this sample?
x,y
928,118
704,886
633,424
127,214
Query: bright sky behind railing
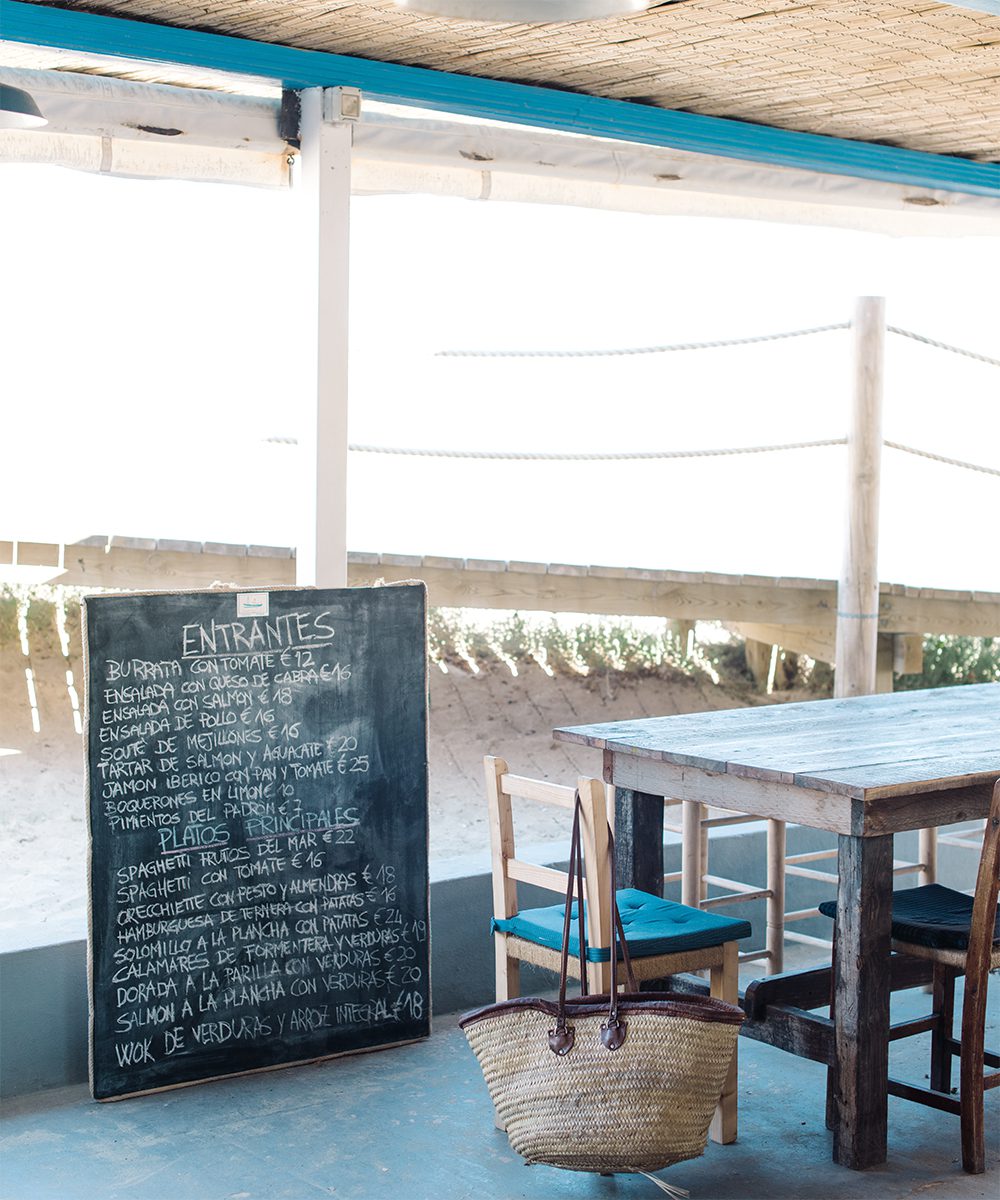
x,y
151,349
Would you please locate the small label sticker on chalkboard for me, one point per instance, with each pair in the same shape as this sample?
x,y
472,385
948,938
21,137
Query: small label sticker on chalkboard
x,y
252,604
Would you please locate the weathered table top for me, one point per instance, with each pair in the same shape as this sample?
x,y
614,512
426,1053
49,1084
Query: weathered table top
x,y
862,747
865,768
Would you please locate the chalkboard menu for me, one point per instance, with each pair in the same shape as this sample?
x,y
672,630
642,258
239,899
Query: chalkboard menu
x,y
257,776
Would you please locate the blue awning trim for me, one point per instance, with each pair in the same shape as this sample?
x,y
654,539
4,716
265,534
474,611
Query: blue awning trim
x,y
547,108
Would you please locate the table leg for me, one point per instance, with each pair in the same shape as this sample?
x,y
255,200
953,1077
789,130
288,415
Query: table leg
x,y
639,840
861,974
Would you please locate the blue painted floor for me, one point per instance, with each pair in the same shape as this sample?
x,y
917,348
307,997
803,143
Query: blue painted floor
x,y
415,1123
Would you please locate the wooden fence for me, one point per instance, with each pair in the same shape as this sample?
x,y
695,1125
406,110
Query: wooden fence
x,y
797,614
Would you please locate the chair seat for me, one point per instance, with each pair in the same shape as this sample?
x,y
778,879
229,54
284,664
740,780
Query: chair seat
x,y
933,916
652,927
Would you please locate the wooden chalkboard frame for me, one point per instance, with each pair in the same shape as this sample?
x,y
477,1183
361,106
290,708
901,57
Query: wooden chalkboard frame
x,y
216,592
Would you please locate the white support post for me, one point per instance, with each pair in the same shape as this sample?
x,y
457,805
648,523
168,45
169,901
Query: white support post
x,y
857,593
323,208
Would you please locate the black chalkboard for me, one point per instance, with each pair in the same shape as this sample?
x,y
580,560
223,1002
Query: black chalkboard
x,y
257,777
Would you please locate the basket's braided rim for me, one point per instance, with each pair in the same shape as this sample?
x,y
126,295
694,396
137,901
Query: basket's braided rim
x,y
693,1008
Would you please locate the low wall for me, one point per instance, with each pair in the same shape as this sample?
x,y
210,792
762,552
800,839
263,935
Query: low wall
x,y
43,989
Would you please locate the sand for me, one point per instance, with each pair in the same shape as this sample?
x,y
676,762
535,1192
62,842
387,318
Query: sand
x,y
43,827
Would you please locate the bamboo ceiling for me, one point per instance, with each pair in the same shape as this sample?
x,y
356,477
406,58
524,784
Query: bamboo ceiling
x,y
908,73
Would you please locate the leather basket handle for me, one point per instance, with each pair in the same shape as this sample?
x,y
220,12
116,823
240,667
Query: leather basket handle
x,y
561,1036
613,1030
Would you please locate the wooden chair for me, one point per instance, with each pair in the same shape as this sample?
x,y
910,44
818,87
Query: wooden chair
x,y
960,935
664,938
697,822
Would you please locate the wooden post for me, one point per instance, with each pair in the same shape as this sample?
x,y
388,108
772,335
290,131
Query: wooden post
x,y
759,656
885,658
684,632
324,214
857,593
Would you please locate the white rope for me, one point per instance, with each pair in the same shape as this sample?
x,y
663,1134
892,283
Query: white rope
x,y
951,462
714,345
633,455
625,455
919,337
746,341
670,1189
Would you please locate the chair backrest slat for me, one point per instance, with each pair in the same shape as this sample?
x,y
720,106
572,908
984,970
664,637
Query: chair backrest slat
x,y
984,904
535,789
543,877
501,786
501,839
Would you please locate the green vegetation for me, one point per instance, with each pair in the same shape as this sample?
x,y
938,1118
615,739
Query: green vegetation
x,y
8,617
576,647
572,644
953,660
39,607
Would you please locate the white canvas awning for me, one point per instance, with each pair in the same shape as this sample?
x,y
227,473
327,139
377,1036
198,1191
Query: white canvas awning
x,y
120,127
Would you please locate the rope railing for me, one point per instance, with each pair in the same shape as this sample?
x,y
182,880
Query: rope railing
x,y
641,455
951,462
714,345
718,344
636,455
919,337
597,456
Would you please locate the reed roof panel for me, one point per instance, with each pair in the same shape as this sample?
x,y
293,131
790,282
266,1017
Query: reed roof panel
x,y
909,73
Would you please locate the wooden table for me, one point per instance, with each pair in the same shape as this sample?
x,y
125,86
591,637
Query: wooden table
x,y
864,768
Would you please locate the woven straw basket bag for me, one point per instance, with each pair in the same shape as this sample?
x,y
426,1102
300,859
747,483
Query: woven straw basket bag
x,y
618,1083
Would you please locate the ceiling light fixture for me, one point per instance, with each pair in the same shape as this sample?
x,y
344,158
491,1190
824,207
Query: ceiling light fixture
x,y
18,110
524,12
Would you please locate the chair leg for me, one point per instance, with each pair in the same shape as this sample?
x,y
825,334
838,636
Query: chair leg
x,y
703,858
691,867
725,985
508,970
971,1075
944,1008
831,1071
776,899
599,978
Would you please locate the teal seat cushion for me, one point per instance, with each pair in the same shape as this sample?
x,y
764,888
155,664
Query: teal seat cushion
x,y
652,926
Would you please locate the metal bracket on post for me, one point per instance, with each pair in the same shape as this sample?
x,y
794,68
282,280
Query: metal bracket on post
x,y
341,104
